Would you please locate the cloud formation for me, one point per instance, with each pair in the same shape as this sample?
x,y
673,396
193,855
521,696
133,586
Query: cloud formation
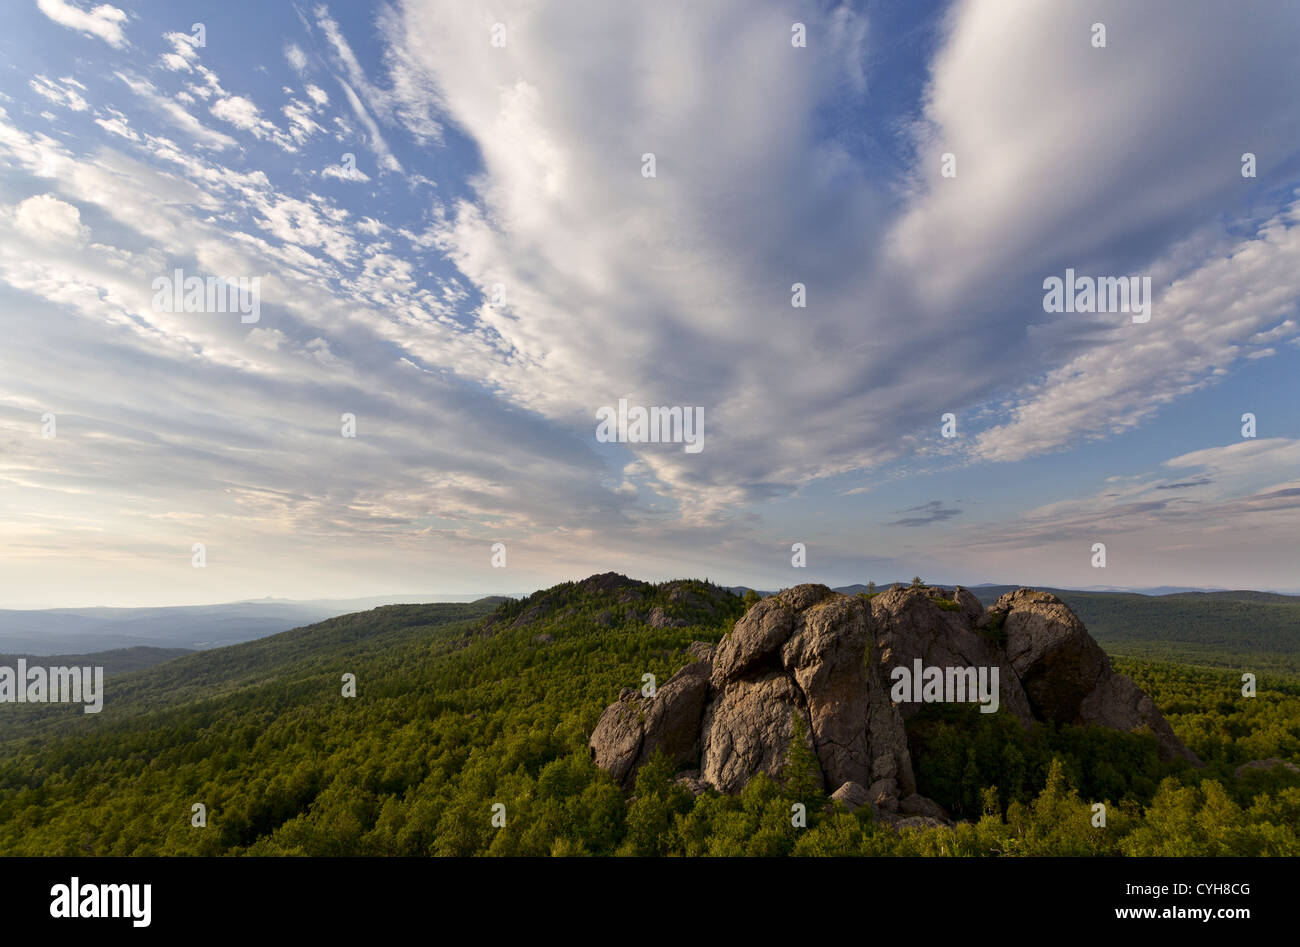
x,y
473,325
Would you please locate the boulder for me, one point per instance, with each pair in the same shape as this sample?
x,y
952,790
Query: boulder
x,y
752,642
899,822
1266,765
883,794
629,731
659,619
1066,675
853,796
970,606
700,651
916,805
692,782
826,656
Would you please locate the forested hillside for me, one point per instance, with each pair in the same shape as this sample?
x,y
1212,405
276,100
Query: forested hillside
x,y
459,708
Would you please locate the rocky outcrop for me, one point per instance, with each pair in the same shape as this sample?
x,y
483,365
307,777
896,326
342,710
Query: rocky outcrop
x,y
795,661
852,796
700,650
630,731
801,655
919,806
814,662
1067,677
913,623
659,619
1265,766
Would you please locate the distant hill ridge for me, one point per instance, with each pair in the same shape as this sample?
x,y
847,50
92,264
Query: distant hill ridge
x,y
115,661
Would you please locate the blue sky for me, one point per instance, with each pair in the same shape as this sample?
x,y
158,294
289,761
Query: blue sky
x,y
129,150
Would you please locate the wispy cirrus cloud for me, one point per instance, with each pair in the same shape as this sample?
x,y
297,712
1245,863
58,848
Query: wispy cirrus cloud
x,y
175,113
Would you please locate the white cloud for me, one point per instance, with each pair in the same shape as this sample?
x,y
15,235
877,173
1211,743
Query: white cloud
x,y
349,173
184,48
267,338
116,125
252,469
301,125
103,21
924,299
45,217
176,114
410,103
61,92
238,111
296,58
377,144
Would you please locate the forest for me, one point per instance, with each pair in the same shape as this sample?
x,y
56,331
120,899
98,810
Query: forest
x,y
468,736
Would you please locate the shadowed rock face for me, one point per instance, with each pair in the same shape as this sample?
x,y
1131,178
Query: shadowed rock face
x,y
1066,675
812,654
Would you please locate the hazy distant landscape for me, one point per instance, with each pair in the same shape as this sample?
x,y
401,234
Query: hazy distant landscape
x,y
66,630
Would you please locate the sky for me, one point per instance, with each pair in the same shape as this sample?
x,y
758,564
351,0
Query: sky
x,y
459,244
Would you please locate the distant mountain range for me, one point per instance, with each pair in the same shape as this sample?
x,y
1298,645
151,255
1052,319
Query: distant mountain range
x,y
192,627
